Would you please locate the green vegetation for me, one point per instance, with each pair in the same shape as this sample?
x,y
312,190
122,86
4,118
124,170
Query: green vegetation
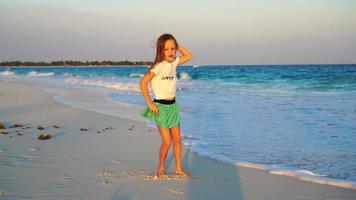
x,y
70,63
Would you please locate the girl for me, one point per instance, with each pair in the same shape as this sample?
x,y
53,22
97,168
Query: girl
x,y
164,109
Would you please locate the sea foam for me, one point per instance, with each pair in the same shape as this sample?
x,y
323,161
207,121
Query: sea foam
x,y
134,75
7,73
311,177
274,169
39,74
184,76
126,87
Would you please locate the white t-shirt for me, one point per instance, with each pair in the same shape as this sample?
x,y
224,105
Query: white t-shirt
x,y
165,79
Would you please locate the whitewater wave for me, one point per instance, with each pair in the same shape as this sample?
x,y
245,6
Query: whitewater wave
x,y
301,174
126,87
66,74
189,137
39,74
311,177
184,76
135,75
7,73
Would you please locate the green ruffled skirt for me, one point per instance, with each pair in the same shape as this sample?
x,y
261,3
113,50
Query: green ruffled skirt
x,y
167,117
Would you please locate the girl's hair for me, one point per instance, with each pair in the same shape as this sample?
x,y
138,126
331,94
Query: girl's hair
x,y
161,41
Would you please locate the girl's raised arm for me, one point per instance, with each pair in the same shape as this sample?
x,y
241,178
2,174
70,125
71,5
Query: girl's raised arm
x,y
186,55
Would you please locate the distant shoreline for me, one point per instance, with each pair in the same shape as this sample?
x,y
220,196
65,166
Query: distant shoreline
x,y
149,64
75,66
71,63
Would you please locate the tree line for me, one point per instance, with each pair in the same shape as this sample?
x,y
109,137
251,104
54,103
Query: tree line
x,y
73,63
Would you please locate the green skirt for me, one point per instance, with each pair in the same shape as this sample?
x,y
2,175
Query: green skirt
x,y
167,117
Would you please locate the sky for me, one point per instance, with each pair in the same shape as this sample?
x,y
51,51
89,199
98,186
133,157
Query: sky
x,y
241,32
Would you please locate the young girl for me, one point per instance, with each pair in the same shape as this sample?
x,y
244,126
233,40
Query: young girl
x,y
164,109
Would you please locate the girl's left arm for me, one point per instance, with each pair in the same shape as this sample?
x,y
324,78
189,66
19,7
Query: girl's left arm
x,y
186,55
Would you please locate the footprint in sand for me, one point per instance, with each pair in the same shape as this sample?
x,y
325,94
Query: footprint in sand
x,y
116,161
68,177
144,175
26,157
105,173
107,182
175,191
32,149
148,178
107,179
164,177
65,180
133,173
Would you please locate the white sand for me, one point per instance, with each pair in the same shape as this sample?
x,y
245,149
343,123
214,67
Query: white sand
x,y
118,162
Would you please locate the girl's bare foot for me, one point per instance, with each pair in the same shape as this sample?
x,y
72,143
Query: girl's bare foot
x,y
160,171
182,173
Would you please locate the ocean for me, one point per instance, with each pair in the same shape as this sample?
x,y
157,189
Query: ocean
x,y
296,120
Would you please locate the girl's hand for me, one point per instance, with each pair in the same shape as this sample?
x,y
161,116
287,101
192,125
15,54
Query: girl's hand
x,y
153,108
186,55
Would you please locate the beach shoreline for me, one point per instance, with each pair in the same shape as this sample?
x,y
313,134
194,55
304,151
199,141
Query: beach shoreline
x,y
97,171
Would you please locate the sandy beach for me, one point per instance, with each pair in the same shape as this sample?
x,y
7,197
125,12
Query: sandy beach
x,y
99,154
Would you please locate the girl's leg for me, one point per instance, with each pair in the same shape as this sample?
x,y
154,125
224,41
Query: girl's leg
x,y
177,148
166,143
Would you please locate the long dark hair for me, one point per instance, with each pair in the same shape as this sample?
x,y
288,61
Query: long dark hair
x,y
161,41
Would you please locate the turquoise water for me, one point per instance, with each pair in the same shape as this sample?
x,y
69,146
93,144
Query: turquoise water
x,y
293,116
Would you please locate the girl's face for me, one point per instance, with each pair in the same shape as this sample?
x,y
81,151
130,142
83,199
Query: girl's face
x,y
170,50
